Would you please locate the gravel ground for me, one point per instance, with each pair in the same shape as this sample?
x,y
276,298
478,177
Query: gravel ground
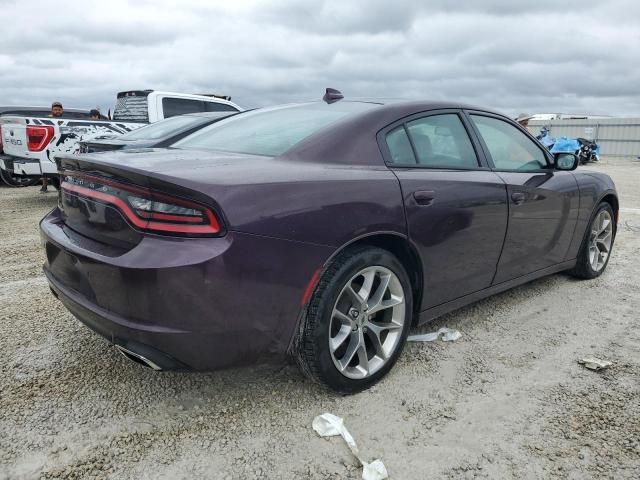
x,y
507,400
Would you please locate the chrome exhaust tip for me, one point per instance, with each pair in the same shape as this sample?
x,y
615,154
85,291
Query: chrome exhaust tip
x,y
136,357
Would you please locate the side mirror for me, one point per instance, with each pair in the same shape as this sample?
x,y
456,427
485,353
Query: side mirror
x,y
566,161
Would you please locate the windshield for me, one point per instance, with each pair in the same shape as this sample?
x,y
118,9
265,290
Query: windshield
x,y
271,131
164,128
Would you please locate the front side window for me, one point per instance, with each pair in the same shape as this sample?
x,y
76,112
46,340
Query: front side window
x,y
510,149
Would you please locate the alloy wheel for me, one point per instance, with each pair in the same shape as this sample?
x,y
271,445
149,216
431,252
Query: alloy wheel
x,y
600,240
367,322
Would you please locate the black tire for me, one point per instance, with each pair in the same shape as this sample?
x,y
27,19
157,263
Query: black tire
x,y
583,268
312,352
17,180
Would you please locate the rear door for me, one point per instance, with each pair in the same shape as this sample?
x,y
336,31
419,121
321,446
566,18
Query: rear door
x,y
543,202
456,206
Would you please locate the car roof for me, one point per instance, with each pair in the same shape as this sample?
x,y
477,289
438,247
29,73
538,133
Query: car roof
x,y
400,106
423,105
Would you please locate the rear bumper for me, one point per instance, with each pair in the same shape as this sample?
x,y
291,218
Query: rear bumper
x,y
28,167
24,166
113,327
6,163
202,304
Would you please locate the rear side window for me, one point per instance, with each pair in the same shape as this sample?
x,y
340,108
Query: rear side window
x,y
218,107
439,141
400,147
179,106
442,141
510,149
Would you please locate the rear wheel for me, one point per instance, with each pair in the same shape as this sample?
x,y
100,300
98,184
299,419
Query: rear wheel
x,y
357,320
17,180
597,244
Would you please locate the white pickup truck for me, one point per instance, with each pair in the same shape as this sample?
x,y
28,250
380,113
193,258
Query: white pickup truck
x,y
31,144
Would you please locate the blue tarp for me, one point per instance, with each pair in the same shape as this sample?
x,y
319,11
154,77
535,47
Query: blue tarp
x,y
565,145
546,140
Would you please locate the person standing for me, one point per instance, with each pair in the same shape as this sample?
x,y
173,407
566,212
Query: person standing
x,y
56,109
56,112
523,120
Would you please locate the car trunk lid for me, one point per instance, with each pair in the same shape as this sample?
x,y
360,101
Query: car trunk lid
x,y
183,177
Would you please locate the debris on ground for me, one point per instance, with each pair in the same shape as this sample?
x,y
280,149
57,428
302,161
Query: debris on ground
x,y
448,335
593,363
329,425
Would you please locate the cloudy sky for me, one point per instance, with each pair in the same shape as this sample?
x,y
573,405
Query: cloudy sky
x,y
577,56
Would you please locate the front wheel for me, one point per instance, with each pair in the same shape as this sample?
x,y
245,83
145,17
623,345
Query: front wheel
x,y
597,244
357,320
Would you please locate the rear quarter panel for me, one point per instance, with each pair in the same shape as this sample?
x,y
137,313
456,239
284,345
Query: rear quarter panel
x,y
325,204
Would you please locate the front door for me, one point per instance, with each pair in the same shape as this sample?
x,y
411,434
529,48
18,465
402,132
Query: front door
x,y
543,202
456,207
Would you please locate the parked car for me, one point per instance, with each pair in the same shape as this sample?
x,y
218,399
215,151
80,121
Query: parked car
x,y
319,231
32,143
155,135
6,169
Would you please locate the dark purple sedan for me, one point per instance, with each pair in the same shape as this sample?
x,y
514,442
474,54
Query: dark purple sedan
x,y
321,231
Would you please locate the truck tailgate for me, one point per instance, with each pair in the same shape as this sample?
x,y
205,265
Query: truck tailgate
x,y
44,139
14,136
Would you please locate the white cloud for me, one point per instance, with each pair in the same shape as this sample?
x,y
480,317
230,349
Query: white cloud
x,y
513,56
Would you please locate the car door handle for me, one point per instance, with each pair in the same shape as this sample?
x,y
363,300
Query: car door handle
x,y
518,197
424,197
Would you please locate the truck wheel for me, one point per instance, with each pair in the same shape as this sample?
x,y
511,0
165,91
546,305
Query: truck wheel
x,y
17,180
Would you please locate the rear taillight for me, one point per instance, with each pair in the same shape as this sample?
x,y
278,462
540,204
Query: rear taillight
x,y
146,209
38,137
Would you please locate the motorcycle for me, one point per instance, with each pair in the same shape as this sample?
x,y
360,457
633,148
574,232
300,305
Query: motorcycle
x,y
586,150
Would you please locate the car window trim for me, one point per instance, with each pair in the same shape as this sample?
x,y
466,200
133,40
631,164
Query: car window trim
x,y
386,153
468,113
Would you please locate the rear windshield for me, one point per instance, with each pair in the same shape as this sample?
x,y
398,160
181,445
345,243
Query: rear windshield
x,y
165,128
271,131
